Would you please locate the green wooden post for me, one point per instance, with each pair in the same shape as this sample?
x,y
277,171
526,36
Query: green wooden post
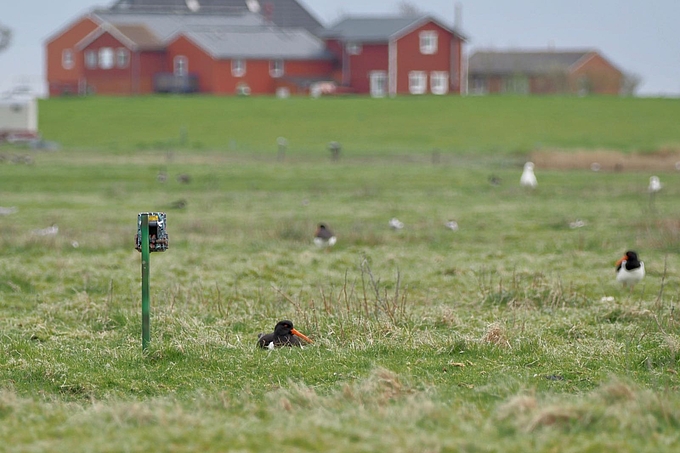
x,y
146,333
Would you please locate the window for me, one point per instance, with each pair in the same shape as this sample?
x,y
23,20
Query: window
x,y
106,58
90,59
378,80
238,67
353,48
180,65
439,82
479,85
417,82
276,68
516,84
428,42
67,59
122,57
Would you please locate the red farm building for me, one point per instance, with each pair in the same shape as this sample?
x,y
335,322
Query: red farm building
x,y
543,72
397,55
244,47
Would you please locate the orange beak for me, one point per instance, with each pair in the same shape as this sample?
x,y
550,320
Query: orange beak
x,y
619,262
301,335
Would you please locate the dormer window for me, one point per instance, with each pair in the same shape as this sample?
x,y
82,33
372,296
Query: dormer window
x,y
428,42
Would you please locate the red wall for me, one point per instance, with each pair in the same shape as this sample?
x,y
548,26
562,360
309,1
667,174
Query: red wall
x,y
411,59
373,57
200,63
62,80
602,76
216,77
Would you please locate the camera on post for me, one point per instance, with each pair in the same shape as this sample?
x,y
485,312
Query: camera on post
x,y
158,236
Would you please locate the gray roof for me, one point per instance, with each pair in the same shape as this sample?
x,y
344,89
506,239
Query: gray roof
x,y
283,13
165,26
523,62
259,42
377,29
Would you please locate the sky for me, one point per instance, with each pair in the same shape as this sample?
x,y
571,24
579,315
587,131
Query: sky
x,y
640,37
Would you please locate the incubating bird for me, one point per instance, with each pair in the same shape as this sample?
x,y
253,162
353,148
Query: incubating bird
x,y
284,335
324,237
452,225
528,178
578,223
49,231
395,224
654,184
629,269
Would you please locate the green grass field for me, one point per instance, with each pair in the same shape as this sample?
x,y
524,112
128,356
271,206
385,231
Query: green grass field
x,y
364,126
509,334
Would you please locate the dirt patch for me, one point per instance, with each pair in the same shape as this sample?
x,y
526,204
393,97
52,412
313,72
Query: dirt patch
x,y
607,160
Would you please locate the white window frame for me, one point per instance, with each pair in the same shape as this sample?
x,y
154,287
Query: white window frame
x,y
180,65
276,68
417,82
122,57
353,48
439,82
67,59
238,67
375,77
428,42
106,58
91,59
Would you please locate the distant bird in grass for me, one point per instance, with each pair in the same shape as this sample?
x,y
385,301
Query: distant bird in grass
x,y
184,178
629,269
452,225
654,184
284,335
528,178
49,231
578,223
324,237
161,176
395,224
495,180
179,204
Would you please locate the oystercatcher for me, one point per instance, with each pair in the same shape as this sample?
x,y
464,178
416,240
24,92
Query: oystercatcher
x,y
528,178
284,335
629,269
324,237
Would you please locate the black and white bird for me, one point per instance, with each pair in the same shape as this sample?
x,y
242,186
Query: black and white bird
x,y
284,335
324,237
528,178
629,269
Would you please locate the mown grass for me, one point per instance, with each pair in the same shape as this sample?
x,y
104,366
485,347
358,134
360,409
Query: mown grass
x,y
496,125
509,334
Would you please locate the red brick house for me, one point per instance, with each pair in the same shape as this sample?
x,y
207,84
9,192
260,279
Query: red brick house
x,y
543,72
240,46
110,52
397,55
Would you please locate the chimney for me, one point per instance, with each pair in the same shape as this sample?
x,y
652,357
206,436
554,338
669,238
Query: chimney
x,y
458,16
268,12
